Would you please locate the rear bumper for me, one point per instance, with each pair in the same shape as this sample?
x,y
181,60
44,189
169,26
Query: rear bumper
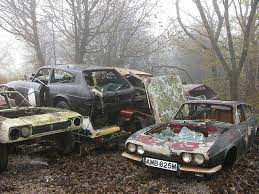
x,y
181,168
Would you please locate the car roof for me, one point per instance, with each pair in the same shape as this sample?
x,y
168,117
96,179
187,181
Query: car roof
x,y
77,67
125,71
189,87
219,102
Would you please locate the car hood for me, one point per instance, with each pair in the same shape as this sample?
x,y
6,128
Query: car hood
x,y
35,116
165,95
186,137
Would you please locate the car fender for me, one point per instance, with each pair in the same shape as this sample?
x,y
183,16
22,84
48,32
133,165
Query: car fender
x,y
61,96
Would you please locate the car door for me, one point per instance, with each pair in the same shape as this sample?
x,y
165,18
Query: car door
x,y
62,83
251,122
37,88
243,128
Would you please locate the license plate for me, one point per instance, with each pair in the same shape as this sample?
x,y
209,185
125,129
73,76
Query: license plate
x,y
161,164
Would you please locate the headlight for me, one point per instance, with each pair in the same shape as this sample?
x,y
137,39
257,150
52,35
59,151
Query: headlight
x,y
77,121
14,134
199,158
25,131
187,158
131,147
140,149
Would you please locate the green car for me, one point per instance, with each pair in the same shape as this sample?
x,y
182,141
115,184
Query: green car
x,y
22,123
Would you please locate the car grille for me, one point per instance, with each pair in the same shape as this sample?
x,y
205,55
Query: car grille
x,y
50,127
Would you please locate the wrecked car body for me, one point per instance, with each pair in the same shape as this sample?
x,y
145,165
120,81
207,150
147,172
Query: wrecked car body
x,y
94,91
143,115
21,123
203,137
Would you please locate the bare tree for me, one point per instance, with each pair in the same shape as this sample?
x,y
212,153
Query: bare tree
x,y
231,58
251,64
81,22
130,40
19,18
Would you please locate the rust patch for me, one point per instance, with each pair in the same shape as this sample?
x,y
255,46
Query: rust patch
x,y
147,139
186,146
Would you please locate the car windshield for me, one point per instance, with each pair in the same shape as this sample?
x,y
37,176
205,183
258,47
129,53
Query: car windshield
x,y
10,99
204,111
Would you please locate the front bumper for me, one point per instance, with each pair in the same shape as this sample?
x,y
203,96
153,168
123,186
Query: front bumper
x,y
181,168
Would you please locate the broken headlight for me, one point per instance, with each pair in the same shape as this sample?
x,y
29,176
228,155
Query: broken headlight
x,y
77,121
140,150
14,134
25,131
199,158
131,147
186,157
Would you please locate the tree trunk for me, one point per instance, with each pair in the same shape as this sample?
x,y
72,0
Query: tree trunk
x,y
234,86
250,75
37,47
79,56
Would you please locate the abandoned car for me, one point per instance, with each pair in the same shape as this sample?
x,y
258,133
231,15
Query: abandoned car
x,y
94,91
23,124
204,136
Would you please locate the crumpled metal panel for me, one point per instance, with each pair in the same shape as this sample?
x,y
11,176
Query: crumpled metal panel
x,y
165,95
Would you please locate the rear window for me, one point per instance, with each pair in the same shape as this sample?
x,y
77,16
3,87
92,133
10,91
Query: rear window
x,y
202,92
105,80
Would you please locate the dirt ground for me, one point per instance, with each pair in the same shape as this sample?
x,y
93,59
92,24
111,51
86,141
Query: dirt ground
x,y
108,172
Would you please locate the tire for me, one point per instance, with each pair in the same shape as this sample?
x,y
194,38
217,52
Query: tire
x,y
63,105
230,158
3,157
65,142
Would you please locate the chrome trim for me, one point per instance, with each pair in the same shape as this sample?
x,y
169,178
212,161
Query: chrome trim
x,y
132,157
200,169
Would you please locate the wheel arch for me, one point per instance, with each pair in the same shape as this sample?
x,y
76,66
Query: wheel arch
x,y
59,98
230,156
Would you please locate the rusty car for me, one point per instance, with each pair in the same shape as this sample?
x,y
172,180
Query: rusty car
x,y
95,91
23,125
140,114
203,137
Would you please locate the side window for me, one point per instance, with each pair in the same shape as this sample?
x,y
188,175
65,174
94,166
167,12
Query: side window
x,y
42,76
61,76
247,110
240,113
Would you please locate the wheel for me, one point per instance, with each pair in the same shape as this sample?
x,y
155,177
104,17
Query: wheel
x,y
65,142
230,158
63,104
256,140
3,157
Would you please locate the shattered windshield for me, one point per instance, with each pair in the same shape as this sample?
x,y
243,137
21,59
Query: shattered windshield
x,y
11,99
203,111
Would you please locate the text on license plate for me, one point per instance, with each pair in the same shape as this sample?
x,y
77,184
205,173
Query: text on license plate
x,y
161,164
